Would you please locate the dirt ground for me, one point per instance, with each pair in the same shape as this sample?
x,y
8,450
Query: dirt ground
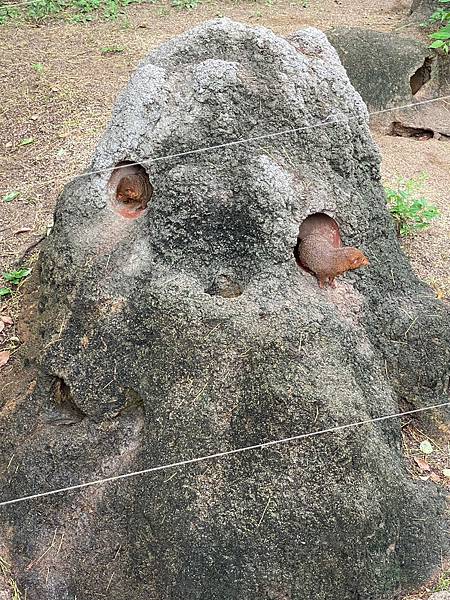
x,y
58,88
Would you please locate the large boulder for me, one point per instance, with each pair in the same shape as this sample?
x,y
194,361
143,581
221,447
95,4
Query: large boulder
x,y
180,325
394,72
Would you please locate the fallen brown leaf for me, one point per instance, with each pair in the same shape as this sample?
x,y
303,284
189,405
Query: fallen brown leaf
x,y
435,477
4,357
6,320
422,464
22,230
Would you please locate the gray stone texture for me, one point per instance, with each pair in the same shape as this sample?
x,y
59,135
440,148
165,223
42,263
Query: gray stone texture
x,y
144,360
423,9
390,70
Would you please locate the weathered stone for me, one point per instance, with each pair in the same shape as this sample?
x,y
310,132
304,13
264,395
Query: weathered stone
x,y
440,596
423,9
392,71
189,330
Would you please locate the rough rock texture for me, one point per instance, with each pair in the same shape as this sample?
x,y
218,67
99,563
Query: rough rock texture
x,y
389,71
422,9
190,330
440,596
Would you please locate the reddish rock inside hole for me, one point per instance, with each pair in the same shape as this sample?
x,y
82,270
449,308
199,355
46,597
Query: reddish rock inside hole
x,y
130,190
317,224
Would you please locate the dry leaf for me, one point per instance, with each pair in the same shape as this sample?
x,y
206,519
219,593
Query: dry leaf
x,y
6,320
422,464
435,477
22,230
4,357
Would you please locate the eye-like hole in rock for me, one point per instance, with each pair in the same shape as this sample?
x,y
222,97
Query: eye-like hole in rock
x,y
421,76
130,190
64,411
224,286
419,133
321,225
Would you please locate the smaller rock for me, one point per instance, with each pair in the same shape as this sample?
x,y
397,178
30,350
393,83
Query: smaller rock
x,y
440,596
422,9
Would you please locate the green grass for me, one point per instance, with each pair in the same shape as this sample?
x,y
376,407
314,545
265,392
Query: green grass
x,y
111,50
443,584
73,11
5,570
185,4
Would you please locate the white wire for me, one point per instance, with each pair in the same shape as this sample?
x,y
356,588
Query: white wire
x,y
265,444
264,136
191,461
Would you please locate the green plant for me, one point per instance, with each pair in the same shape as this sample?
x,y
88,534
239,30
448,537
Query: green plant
x,y
10,196
186,4
442,36
112,50
26,141
411,212
16,277
443,584
7,13
5,291
40,9
38,67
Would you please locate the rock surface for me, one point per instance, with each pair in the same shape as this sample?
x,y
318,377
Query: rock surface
x,y
189,329
392,71
423,9
440,596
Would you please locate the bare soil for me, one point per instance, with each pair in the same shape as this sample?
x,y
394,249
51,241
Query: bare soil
x,y
58,88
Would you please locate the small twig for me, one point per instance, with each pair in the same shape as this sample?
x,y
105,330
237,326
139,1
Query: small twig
x,y
60,543
264,511
410,325
171,477
29,248
110,580
108,384
35,562
117,552
317,415
9,463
